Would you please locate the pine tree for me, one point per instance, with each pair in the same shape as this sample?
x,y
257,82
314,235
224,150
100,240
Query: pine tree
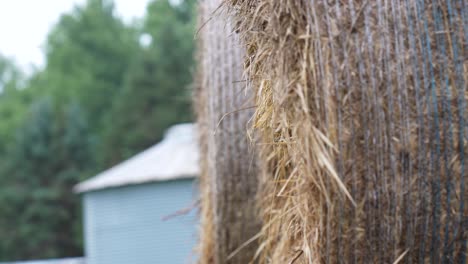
x,y
40,213
88,54
156,93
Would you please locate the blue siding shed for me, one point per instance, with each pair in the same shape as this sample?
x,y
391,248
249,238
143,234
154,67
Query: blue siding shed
x,y
126,225
125,206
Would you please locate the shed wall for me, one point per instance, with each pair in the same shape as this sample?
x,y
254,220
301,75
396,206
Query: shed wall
x,y
125,225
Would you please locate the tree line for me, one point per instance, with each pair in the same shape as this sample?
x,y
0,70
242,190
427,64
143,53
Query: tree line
x,y
102,96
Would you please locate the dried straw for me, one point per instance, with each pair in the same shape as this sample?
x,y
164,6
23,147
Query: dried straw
x,y
229,218
206,244
361,107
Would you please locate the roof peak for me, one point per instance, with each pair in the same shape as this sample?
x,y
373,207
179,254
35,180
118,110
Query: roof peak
x,y
179,131
175,157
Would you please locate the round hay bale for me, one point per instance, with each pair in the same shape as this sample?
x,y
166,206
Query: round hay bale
x,y
361,107
228,184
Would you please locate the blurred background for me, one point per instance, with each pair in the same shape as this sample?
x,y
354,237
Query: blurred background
x,y
84,85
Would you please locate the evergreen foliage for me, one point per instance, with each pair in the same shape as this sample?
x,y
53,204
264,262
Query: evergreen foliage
x,y
102,97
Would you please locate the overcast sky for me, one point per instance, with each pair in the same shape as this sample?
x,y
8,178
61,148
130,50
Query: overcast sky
x,y
24,25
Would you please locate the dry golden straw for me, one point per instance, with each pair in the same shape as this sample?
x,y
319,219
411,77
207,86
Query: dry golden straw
x,y
361,107
228,184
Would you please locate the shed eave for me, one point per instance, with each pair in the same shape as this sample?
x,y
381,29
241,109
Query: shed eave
x,y
85,187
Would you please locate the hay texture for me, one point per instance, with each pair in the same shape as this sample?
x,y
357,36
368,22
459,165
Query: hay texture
x,y
228,184
361,107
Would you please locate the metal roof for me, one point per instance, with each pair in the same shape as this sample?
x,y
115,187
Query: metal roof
x,y
51,261
175,157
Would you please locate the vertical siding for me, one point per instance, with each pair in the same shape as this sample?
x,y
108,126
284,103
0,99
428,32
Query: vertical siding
x,y
125,226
